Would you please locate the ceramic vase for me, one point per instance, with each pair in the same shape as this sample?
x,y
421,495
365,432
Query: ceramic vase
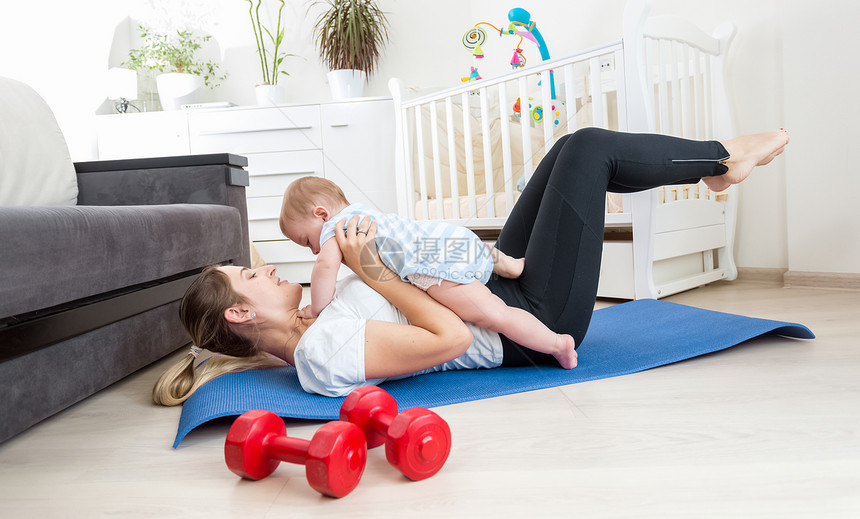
x,y
271,95
346,83
176,89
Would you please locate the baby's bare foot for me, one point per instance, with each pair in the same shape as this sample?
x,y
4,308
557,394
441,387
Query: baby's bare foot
x,y
506,266
745,153
512,268
565,351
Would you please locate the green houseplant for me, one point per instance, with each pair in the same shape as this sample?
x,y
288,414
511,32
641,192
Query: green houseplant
x,y
271,58
350,36
174,57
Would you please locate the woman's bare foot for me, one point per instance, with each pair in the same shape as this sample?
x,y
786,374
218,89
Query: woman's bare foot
x,y
745,153
716,184
565,351
506,266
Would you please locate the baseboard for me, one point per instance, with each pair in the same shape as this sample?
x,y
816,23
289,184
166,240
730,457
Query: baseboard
x,y
762,275
846,281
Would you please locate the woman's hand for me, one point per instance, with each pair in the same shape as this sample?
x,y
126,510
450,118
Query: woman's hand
x,y
435,335
358,247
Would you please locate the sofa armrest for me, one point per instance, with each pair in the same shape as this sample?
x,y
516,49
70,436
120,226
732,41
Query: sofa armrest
x,y
195,179
192,179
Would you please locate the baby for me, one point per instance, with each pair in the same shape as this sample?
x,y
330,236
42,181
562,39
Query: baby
x,y
448,262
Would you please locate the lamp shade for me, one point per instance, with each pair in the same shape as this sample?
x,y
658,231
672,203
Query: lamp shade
x,y
121,83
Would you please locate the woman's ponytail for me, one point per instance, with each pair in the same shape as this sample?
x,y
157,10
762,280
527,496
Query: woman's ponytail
x,y
174,385
182,379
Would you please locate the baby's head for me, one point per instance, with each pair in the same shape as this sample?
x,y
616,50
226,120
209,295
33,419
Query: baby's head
x,y
308,203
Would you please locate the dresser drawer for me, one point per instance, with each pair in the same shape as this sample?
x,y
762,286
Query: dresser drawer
x,y
263,215
284,251
255,130
271,173
293,263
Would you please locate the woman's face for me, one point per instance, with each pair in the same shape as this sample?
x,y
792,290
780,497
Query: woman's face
x,y
263,290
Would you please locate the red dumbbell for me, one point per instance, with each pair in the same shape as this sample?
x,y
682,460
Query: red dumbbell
x,y
417,441
334,458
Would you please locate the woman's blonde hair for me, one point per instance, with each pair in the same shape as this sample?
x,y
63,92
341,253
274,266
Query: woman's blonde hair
x,y
202,313
303,194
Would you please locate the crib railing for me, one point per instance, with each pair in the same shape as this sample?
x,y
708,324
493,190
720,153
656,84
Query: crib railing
x,y
665,76
523,115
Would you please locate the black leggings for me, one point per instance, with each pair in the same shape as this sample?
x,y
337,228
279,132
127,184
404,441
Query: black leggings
x,y
557,223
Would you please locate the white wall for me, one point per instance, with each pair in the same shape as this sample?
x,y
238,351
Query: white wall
x,y
822,108
788,218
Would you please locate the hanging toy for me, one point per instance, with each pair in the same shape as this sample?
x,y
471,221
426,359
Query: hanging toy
x,y
522,25
472,40
518,60
473,76
474,37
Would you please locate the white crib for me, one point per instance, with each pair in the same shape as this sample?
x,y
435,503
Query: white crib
x,y
664,76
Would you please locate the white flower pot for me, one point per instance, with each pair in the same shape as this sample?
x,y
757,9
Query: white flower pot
x,y
176,89
271,95
346,83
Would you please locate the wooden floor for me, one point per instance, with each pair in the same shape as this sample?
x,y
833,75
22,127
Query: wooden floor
x,y
770,428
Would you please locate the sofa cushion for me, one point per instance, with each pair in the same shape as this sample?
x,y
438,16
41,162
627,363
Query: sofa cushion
x,y
56,255
35,166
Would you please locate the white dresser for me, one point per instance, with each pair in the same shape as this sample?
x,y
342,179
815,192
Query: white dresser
x,y
350,143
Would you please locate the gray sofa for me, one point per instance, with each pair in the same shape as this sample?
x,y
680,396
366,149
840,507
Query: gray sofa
x,y
89,293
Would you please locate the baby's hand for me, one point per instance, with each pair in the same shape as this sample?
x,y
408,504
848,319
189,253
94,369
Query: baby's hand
x,y
306,313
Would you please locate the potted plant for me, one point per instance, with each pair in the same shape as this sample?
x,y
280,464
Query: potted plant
x,y
350,36
183,74
269,92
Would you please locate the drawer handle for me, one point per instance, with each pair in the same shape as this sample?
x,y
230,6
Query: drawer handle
x,y
340,125
255,130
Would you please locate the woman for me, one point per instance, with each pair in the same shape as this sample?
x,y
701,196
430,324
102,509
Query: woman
x,y
384,328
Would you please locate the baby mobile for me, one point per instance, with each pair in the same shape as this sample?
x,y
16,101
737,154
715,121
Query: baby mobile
x,y
522,26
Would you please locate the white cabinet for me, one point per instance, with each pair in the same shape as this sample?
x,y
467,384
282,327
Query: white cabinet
x,y
255,130
352,133
351,143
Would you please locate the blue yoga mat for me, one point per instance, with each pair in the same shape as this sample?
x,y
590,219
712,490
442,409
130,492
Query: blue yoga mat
x,y
621,339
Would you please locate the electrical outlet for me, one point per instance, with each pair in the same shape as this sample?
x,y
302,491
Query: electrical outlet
x,y
607,63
